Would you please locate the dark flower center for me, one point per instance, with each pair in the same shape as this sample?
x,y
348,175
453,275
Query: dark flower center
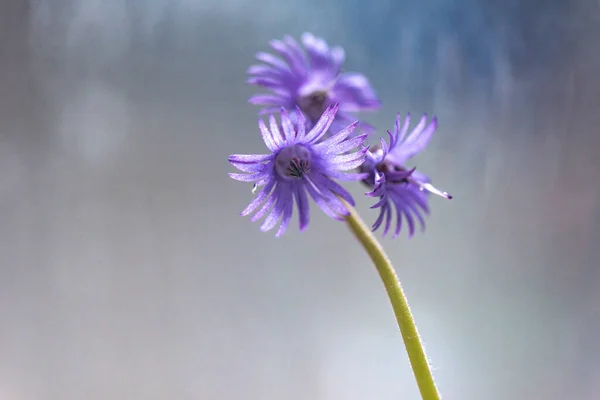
x,y
293,162
314,104
393,173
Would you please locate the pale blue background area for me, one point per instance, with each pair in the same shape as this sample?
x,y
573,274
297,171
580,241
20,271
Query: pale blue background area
x,y
127,273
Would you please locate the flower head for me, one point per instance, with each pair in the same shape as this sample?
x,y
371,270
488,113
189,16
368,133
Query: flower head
x,y
311,80
397,186
300,164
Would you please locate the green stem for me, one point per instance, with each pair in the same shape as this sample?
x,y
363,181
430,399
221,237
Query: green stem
x,y
406,322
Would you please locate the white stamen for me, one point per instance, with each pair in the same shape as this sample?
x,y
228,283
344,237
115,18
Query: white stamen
x,y
432,189
254,188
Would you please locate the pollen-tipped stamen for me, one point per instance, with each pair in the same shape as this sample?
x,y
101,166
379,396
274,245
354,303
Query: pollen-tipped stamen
x,y
432,189
293,162
298,168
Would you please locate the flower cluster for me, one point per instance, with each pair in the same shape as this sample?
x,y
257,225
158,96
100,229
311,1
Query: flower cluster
x,y
314,144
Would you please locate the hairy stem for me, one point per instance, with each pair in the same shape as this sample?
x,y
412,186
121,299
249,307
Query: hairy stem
x,y
406,322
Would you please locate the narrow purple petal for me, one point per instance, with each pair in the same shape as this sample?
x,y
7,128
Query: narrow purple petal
x,y
354,93
417,129
301,124
275,215
348,165
325,205
392,140
349,157
266,207
388,219
318,52
275,132
303,211
398,218
411,223
415,143
266,135
419,198
248,177
379,219
380,203
248,167
265,71
425,136
334,187
296,52
288,128
337,58
416,213
266,82
295,65
338,137
269,110
322,124
267,100
287,213
378,191
402,133
249,158
347,177
272,60
260,197
347,145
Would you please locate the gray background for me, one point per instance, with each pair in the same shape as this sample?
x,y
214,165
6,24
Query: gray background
x,y
126,271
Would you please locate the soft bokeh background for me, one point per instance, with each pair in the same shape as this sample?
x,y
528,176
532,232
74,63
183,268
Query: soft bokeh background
x,y
127,273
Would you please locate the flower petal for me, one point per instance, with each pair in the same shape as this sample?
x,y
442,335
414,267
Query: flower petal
x,y
275,132
327,201
354,93
270,59
260,197
275,215
267,136
249,177
266,207
334,187
265,71
347,145
263,81
338,137
322,124
287,214
297,66
319,54
303,210
415,142
379,219
288,128
249,158
268,100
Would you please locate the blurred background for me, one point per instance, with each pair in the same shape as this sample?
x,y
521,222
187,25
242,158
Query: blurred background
x,y
127,273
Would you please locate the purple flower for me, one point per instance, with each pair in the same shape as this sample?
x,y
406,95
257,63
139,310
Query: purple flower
x,y
300,162
311,80
398,187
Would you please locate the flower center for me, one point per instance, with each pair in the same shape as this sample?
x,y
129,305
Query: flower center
x,y
314,104
293,162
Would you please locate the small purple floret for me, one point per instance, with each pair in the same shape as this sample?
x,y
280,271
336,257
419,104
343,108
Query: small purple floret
x,y
310,78
397,186
302,163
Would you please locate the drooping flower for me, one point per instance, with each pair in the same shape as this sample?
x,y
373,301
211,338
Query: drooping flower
x,y
311,80
398,187
301,163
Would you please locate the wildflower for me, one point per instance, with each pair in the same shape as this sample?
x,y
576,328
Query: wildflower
x,y
397,186
311,80
300,162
